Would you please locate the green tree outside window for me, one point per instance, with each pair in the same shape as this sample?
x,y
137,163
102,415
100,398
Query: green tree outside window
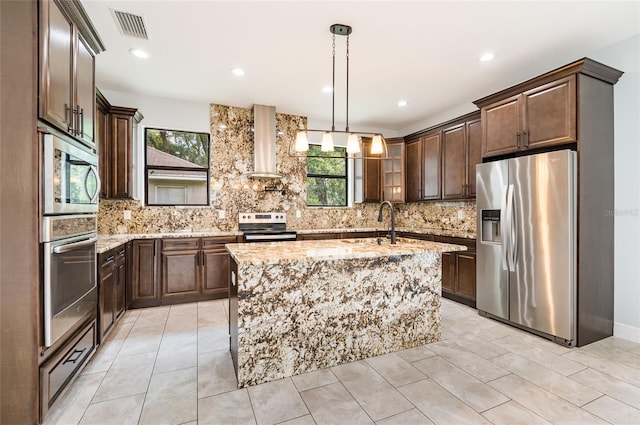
x,y
327,178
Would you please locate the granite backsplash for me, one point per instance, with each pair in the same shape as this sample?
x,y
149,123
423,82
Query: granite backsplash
x,y
233,192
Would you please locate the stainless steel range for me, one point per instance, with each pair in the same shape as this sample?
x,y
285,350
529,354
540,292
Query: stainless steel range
x,y
265,227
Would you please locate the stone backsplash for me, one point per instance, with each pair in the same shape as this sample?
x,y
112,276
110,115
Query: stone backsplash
x,y
233,192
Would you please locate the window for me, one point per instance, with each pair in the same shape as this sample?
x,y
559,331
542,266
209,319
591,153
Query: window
x,y
176,167
327,178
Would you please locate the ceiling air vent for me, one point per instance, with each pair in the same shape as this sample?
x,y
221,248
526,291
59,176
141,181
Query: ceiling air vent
x,y
130,24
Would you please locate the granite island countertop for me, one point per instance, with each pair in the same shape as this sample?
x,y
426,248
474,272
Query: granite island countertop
x,y
306,305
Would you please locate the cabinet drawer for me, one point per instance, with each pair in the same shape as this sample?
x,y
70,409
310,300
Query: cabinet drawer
x,y
56,373
120,253
106,260
217,241
180,243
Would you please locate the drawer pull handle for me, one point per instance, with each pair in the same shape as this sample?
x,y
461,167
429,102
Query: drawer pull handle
x,y
109,258
121,252
77,354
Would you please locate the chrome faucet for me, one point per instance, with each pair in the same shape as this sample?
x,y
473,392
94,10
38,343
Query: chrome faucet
x,y
393,219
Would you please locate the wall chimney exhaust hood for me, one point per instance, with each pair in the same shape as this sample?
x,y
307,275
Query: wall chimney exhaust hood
x,y
264,143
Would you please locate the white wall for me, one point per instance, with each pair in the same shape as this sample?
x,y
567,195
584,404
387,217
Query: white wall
x,y
625,56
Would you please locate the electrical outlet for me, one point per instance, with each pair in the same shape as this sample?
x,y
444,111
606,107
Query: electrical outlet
x,y
127,214
406,214
221,214
460,215
359,213
298,214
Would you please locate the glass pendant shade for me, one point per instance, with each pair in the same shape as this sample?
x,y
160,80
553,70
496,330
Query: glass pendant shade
x,y
327,142
302,144
376,145
353,146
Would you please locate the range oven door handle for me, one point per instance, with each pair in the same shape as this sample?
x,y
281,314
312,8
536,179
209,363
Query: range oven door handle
x,y
270,237
71,246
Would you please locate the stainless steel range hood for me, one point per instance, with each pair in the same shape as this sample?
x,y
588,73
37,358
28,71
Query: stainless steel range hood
x,y
264,143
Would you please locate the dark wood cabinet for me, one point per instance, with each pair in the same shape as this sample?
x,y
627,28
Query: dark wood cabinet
x,y
144,288
454,162
371,175
115,135
413,170
461,152
474,154
422,168
317,236
393,171
431,166
540,117
180,267
111,293
459,271
215,266
194,269
67,67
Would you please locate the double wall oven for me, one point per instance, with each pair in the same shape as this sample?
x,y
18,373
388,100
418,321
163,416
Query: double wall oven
x,y
68,235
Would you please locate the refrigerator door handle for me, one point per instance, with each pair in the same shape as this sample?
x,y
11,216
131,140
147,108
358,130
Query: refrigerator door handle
x,y
503,229
511,255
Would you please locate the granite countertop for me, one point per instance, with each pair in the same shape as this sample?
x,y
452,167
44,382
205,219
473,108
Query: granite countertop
x,y
108,242
333,249
422,231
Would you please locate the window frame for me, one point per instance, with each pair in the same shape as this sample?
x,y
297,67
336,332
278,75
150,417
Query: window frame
x,y
148,167
344,177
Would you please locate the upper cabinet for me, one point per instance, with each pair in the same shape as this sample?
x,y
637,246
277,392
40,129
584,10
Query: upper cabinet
x,y
68,45
116,129
441,163
543,116
393,171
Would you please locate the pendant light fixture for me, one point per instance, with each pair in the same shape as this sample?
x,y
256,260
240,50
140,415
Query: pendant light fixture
x,y
377,149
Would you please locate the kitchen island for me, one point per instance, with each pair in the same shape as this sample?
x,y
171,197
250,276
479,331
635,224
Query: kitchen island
x,y
300,306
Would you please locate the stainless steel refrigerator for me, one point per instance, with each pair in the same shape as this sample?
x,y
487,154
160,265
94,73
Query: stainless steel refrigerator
x,y
526,243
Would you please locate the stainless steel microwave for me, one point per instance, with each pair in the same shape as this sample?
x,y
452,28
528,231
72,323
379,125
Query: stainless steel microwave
x,y
70,183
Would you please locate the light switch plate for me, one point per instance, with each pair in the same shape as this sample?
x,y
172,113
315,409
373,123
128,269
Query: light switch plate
x,y
359,213
221,214
127,214
298,214
406,214
460,215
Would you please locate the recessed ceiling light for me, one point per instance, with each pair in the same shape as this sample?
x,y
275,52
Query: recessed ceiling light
x,y
402,103
139,53
487,57
327,89
238,71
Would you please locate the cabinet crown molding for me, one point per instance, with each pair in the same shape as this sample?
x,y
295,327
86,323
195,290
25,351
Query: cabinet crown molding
x,y
584,66
75,11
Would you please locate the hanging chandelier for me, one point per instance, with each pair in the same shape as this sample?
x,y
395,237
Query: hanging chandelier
x,y
356,147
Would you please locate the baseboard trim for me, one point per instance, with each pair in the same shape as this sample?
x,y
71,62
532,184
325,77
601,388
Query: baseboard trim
x,y
627,332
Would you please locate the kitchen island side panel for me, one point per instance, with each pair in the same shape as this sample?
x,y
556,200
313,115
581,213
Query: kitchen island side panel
x,y
299,316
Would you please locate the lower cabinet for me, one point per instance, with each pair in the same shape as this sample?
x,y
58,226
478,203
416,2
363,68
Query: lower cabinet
x,y
194,269
112,277
144,288
459,271
175,270
233,312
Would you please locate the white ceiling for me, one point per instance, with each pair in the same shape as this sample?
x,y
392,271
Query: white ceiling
x,y
421,51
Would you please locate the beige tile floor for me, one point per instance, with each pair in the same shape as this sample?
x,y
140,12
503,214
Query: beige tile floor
x,y
171,365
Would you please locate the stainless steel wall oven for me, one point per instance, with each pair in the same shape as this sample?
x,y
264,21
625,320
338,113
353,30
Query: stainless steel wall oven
x,y
69,273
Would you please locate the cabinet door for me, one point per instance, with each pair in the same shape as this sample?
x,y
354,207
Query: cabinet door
x,y
215,270
120,271
474,150
454,162
144,290
106,282
431,165
56,66
448,272
85,91
102,142
413,170
121,155
393,173
465,284
550,114
371,175
501,124
179,274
